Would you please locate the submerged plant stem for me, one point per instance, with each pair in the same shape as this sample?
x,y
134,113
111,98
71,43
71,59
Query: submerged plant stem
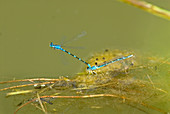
x,y
92,96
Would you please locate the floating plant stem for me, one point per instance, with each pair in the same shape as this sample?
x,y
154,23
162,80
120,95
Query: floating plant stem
x,y
30,80
12,87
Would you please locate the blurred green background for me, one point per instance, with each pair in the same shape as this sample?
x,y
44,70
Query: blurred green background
x,y
28,26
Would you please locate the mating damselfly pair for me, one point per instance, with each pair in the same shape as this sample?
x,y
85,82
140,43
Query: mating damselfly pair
x,y
90,67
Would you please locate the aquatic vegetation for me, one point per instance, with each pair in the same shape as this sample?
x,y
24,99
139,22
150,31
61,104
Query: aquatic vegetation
x,y
133,82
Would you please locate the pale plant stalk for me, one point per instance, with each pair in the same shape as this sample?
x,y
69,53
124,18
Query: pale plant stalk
x,y
153,9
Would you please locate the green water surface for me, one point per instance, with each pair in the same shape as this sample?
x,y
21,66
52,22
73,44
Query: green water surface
x,y
28,26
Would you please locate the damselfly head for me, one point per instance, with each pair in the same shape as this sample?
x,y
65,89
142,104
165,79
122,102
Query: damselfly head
x,y
51,44
90,70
